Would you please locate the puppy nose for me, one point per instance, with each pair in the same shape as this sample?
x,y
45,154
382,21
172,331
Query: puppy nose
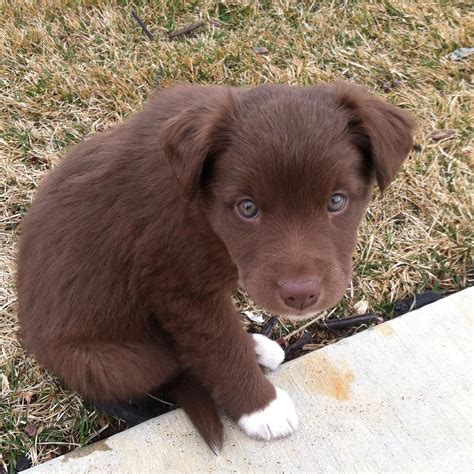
x,y
300,294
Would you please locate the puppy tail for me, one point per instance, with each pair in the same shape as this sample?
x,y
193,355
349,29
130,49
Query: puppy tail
x,y
201,409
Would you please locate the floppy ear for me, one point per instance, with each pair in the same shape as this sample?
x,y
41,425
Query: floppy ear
x,y
383,132
193,138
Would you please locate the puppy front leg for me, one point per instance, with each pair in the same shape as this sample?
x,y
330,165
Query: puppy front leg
x,y
269,353
212,344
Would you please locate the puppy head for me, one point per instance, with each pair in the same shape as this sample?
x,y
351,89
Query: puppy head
x,y
285,175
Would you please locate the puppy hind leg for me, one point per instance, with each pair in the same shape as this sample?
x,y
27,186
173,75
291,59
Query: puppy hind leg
x,y
137,411
115,372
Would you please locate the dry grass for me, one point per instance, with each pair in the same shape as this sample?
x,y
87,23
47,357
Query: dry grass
x,y
70,69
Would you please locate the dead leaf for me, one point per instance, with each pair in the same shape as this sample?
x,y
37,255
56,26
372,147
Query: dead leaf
x,y
361,307
460,53
387,86
25,397
437,135
260,50
398,219
35,134
256,318
30,430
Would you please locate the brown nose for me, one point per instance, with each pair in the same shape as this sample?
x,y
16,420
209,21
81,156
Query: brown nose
x,y
300,294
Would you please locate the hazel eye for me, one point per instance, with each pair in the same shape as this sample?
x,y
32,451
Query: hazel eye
x,y
247,209
337,202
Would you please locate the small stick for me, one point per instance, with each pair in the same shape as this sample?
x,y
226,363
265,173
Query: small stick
x,y
299,344
418,301
312,347
348,322
296,331
162,401
269,327
143,26
186,29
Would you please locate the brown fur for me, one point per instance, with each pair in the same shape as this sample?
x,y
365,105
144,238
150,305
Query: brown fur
x,y
132,247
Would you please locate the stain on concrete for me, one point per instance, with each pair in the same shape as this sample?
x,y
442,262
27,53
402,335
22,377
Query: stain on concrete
x,y
86,451
331,380
385,329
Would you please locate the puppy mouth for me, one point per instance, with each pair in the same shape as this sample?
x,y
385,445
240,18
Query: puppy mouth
x,y
289,314
294,315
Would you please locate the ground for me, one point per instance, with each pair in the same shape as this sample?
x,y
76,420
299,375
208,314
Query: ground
x,y
71,69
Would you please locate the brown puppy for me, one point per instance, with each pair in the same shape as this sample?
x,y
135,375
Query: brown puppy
x,y
135,242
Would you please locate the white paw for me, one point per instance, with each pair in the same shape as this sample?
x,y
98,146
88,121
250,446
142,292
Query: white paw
x,y
269,353
278,419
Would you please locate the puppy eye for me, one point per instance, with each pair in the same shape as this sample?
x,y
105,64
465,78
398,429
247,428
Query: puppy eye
x,y
337,202
247,209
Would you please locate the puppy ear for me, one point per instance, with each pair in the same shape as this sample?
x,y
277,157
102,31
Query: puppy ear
x,y
193,138
383,132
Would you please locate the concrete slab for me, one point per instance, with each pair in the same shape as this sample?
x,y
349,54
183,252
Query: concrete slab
x,y
394,398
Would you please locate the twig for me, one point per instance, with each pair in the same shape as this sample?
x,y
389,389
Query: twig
x,y
312,347
186,29
143,26
162,401
408,304
269,326
299,344
348,322
317,318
